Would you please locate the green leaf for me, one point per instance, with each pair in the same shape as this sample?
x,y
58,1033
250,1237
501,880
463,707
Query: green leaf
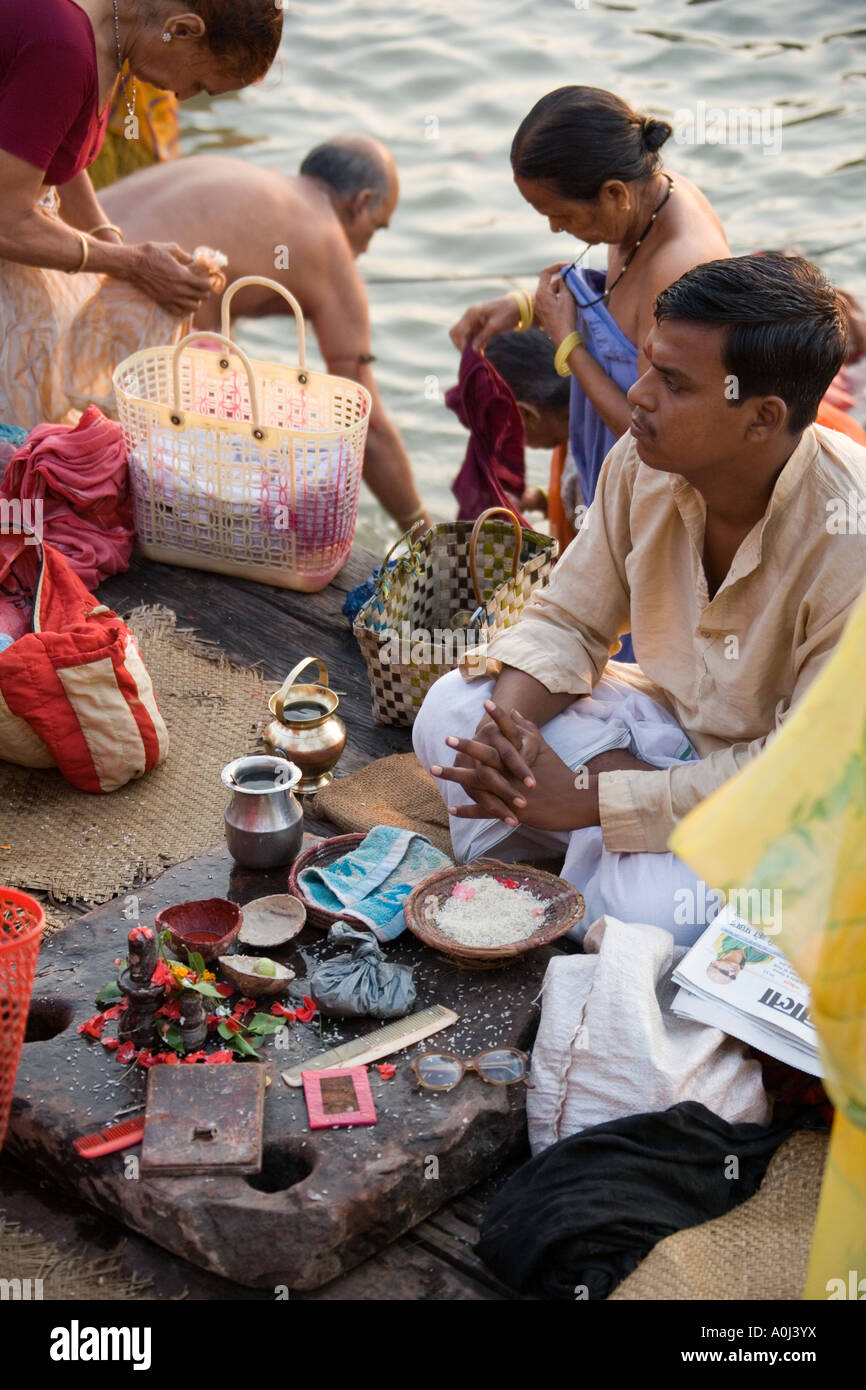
x,y
224,1030
196,963
240,1044
204,987
110,993
173,1036
265,1023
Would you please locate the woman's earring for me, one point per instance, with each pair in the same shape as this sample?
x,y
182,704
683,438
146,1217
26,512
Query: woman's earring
x,y
166,38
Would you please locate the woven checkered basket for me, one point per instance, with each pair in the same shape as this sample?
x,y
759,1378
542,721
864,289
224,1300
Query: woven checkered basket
x,y
480,575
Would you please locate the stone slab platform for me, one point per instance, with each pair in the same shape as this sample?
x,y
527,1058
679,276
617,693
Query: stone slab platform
x,y
325,1200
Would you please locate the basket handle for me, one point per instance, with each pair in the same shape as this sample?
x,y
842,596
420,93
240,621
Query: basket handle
x,y
277,289
238,352
282,694
473,542
411,556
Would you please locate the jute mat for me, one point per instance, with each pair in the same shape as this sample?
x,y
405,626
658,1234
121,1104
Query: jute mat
x,y
758,1251
24,1255
76,846
391,791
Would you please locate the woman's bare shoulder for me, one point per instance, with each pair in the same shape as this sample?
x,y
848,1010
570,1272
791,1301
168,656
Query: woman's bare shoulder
x,y
693,234
694,217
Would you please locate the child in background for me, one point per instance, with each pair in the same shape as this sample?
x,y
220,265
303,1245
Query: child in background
x,y
525,363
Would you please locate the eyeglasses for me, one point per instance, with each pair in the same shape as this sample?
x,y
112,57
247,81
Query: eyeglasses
x,y
442,1071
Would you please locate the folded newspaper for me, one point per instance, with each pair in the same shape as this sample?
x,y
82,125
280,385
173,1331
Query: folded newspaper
x,y
736,978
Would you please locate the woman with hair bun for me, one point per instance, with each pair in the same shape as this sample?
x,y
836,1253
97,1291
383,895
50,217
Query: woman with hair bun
x,y
591,165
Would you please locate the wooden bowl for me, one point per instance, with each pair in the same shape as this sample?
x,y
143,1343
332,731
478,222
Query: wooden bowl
x,y
208,927
324,853
565,908
272,921
241,972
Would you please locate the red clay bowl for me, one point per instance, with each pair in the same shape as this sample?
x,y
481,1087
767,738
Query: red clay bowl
x,y
208,927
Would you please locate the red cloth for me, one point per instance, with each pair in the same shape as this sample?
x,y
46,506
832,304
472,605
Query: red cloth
x,y
75,718
79,472
494,465
49,87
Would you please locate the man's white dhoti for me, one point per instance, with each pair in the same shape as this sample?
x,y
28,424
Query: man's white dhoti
x,y
655,888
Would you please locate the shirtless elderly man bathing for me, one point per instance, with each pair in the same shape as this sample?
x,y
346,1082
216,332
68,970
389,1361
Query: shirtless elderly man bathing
x,y
712,538
318,220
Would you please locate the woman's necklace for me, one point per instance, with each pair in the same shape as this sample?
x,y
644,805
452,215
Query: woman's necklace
x,y
629,258
130,100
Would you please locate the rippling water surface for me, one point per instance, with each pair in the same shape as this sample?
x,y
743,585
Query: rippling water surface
x,y
445,86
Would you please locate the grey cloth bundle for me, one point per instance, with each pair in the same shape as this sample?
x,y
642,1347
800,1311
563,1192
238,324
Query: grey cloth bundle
x,y
362,982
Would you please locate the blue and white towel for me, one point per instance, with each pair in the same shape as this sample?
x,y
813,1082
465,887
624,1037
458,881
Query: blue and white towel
x,y
372,882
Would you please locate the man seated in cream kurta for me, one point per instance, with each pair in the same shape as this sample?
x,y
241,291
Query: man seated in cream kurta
x,y
728,534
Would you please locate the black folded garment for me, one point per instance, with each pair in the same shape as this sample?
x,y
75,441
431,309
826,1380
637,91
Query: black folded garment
x,y
582,1214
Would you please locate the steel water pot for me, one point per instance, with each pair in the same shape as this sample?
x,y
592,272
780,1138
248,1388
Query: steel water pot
x,y
307,728
264,821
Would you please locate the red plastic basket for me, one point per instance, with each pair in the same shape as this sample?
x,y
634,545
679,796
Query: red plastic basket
x,y
22,919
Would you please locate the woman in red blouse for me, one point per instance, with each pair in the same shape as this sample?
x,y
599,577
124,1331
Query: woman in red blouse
x,y
60,62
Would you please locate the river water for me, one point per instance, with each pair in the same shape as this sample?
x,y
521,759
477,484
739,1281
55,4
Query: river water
x,y
445,85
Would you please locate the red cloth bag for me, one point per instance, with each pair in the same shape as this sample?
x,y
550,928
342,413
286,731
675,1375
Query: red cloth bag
x,y
74,691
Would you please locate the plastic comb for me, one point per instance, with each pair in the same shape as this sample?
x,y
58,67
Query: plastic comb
x,y
109,1140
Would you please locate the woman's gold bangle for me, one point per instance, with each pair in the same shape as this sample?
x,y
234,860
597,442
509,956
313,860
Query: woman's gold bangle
x,y
524,304
106,227
564,351
85,252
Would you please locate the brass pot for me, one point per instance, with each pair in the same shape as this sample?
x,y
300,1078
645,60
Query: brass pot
x,y
307,729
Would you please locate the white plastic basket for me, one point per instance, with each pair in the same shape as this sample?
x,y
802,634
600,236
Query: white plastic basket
x,y
244,467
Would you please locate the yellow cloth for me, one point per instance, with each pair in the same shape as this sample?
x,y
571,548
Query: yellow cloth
x,y
158,135
795,820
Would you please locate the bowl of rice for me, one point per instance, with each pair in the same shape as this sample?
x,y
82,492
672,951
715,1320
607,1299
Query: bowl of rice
x,y
487,911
